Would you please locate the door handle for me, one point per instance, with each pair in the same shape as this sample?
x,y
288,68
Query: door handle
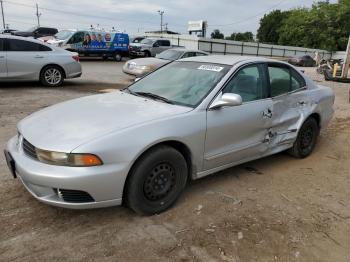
x,y
267,113
301,103
38,56
2,56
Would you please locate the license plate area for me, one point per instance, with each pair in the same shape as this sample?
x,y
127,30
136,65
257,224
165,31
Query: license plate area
x,y
10,163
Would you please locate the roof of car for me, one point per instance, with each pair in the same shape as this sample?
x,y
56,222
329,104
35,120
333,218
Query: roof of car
x,y
28,39
226,59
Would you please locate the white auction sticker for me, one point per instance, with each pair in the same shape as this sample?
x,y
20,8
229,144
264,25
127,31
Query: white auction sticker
x,y
210,68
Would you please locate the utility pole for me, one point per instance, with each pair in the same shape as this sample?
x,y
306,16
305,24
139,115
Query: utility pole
x,y
345,71
38,14
161,20
2,12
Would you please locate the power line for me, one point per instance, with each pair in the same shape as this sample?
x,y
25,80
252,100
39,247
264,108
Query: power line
x,y
38,14
78,14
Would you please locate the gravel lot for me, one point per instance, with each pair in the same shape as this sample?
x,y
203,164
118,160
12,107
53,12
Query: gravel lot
x,y
274,209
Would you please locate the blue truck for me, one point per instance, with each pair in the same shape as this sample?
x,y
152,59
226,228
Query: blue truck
x,y
92,43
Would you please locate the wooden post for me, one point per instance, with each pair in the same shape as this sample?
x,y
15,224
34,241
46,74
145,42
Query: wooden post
x,y
344,73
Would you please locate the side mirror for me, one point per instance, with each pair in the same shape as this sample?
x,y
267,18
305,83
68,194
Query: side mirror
x,y
155,45
227,99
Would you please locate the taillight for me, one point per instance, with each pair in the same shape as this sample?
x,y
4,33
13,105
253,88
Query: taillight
x,y
76,58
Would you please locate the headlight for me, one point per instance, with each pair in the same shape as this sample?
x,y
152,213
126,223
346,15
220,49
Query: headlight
x,y
144,67
64,159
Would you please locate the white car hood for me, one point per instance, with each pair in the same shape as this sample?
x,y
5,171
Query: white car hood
x,y
54,41
67,125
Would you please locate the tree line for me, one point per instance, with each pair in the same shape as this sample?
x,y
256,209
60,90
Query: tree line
x,y
325,26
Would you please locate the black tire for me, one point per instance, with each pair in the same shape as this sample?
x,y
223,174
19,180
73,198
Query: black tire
x,y
306,139
117,57
52,76
156,181
147,54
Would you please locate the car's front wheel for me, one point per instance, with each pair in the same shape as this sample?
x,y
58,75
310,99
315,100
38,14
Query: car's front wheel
x,y
306,139
156,180
52,76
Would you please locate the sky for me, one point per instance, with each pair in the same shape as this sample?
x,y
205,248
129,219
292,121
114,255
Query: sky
x,y
137,16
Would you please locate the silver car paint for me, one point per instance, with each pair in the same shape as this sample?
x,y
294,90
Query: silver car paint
x,y
121,137
27,65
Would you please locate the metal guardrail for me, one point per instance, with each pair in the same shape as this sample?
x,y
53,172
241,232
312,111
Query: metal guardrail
x,y
258,47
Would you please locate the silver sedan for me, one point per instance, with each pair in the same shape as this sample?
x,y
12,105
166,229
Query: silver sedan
x,y
143,66
189,119
25,59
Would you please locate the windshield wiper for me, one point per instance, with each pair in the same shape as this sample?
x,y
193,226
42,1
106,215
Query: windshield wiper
x,y
154,96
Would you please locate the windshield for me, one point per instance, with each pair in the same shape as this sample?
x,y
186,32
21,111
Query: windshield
x,y
64,34
147,41
184,83
170,55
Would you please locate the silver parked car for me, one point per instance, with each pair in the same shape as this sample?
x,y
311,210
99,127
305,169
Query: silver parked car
x,y
143,66
24,59
189,119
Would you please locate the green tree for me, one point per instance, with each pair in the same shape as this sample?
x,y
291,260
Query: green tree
x,y
314,28
325,25
244,37
270,24
216,34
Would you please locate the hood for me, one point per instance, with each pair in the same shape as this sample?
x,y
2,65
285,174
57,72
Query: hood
x,y
139,45
47,39
54,41
149,61
65,126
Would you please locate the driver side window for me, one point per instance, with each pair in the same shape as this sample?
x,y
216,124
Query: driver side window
x,y
249,83
77,38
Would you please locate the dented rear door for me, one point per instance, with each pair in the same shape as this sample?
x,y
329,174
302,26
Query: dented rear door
x,y
290,104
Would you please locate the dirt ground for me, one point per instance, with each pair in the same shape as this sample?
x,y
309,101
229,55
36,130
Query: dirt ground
x,y
274,209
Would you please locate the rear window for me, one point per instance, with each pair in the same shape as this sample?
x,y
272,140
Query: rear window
x,y
15,45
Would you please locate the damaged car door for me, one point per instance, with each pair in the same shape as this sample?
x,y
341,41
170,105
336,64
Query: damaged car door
x,y
238,133
290,104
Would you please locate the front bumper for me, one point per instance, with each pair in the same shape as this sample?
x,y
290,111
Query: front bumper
x,y
73,70
103,183
136,53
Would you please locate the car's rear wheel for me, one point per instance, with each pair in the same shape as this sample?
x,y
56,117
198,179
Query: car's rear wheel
x,y
52,76
147,54
306,139
117,57
156,180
